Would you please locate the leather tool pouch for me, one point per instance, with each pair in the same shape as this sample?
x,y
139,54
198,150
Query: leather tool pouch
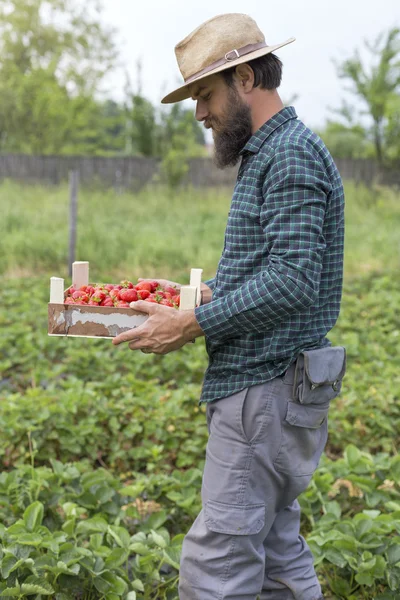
x,y
319,374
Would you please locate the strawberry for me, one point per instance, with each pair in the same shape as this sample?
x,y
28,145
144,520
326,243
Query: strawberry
x,y
107,302
128,295
166,302
143,294
98,295
69,300
144,285
127,284
170,290
122,304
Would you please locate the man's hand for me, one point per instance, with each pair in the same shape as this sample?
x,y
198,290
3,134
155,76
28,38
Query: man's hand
x,y
165,330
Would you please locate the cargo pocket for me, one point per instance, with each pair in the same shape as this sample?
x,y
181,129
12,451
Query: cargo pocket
x,y
304,435
233,519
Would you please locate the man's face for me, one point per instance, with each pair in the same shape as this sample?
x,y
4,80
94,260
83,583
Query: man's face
x,y
221,108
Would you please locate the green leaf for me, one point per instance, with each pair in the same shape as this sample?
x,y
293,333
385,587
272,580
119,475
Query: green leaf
x,y
335,557
352,455
364,579
116,558
33,516
12,591
120,535
172,556
139,548
137,584
118,585
393,552
131,596
95,525
155,521
158,539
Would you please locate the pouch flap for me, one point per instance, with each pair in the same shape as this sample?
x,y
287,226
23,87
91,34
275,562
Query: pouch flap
x,y
234,519
325,365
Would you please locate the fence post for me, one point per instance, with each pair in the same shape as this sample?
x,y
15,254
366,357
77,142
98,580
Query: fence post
x,y
73,212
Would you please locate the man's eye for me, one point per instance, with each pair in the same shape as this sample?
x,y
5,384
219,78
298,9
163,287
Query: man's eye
x,y
206,97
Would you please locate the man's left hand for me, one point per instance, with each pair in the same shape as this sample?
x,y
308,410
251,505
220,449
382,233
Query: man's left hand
x,y
165,330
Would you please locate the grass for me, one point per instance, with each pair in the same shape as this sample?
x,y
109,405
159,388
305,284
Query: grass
x,y
158,234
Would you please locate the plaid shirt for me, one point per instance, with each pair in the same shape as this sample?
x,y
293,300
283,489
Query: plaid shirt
x,y
278,286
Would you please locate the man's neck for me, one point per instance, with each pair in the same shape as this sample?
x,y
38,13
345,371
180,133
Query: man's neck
x,y
267,104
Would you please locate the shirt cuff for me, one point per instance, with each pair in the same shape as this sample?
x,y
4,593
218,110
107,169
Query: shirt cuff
x,y
215,321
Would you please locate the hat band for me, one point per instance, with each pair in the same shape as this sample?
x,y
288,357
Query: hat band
x,y
229,56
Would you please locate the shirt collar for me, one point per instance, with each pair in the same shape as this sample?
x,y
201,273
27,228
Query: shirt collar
x,y
258,138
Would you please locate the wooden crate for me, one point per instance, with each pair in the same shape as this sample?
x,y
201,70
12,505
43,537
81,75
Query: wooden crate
x,y
76,320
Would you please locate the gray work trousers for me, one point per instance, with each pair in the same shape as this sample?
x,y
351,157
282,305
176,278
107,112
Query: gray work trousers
x,y
263,447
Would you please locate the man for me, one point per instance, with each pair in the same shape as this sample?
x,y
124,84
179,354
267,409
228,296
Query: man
x,y
272,371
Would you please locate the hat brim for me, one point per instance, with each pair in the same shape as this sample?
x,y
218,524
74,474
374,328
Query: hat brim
x,y
182,93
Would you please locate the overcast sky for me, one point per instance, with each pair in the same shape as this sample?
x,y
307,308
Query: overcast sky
x,y
324,29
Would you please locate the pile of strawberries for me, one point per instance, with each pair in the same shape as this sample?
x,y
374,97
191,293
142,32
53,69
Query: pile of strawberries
x,y
124,293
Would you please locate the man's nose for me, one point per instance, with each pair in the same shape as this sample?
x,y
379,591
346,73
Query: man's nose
x,y
201,111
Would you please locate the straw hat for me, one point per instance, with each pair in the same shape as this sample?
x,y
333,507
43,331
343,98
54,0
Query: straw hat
x,y
218,44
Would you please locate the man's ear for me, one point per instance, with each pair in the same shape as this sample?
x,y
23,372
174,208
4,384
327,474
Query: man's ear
x,y
245,77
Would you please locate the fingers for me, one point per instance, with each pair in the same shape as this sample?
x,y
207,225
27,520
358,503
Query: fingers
x,y
140,345
126,336
145,307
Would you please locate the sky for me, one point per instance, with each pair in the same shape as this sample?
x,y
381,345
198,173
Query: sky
x,y
324,30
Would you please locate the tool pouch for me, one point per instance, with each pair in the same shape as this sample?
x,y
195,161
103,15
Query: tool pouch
x,y
319,374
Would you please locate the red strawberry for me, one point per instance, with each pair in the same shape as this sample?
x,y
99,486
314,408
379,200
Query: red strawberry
x,y
171,290
107,302
69,300
166,302
145,285
122,304
128,295
98,295
143,294
127,284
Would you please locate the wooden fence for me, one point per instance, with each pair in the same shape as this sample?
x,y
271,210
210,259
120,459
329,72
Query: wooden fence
x,y
133,172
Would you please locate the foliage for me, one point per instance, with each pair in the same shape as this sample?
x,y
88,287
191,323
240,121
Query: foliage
x,y
54,55
346,141
102,449
181,142
68,532
378,87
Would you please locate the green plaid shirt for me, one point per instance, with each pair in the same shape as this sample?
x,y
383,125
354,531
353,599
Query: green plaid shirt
x,y
278,286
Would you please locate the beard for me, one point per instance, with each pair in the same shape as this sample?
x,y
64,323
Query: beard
x,y
231,135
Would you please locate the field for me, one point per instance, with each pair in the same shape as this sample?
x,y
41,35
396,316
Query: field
x,y
101,449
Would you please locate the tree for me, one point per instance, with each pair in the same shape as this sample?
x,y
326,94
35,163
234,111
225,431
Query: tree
x,y
54,55
377,86
181,138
